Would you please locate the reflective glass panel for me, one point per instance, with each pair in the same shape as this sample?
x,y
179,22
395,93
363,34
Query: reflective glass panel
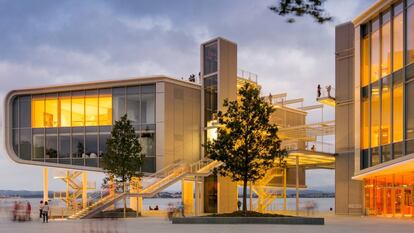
x,y
38,110
385,112
375,52
25,143
410,110
210,58
375,114
397,109
25,111
410,34
38,144
365,53
78,110
147,108
365,118
51,112
65,111
386,46
398,39
91,110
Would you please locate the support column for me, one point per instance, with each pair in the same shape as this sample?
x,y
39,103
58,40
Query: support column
x,y
197,197
187,196
67,189
45,184
135,203
84,189
284,189
297,185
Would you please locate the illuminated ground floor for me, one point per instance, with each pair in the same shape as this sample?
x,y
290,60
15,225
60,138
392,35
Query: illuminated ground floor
x,y
390,195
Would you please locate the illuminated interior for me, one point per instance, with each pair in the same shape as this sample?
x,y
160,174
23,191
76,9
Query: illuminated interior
x,y
385,112
386,45
398,40
375,51
365,61
390,195
72,111
398,110
365,119
375,115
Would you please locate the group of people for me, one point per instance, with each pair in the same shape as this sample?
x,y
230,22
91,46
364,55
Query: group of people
x,y
328,90
21,211
44,211
155,208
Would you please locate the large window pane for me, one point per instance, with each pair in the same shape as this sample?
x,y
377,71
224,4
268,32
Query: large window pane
x,y
51,112
375,114
375,156
398,37
375,51
365,54
15,112
91,148
119,103
410,34
397,108
25,143
105,107
134,108
65,110
38,110
385,112
64,145
386,45
15,141
147,141
91,110
24,111
103,138
210,58
51,143
410,110
210,97
78,145
38,144
78,110
147,108
365,119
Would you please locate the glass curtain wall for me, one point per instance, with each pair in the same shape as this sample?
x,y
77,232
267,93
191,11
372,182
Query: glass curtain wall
x,y
73,127
383,82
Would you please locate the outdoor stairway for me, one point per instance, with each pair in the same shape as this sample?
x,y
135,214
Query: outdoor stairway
x,y
265,198
75,185
163,178
97,206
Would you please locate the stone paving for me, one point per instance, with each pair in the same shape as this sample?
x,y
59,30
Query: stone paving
x,y
334,224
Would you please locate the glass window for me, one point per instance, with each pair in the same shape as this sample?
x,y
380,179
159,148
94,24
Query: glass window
x,y
103,138
25,143
410,34
15,112
25,111
105,107
397,108
386,153
51,112
386,45
364,158
78,145
365,54
385,112
78,109
38,110
398,37
375,114
365,118
134,108
398,150
64,145
91,110
51,143
65,109
91,145
210,97
375,51
119,103
147,88
210,58
410,110
147,108
15,141
38,144
375,157
147,141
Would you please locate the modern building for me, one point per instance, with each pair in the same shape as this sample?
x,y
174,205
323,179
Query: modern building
x,y
67,127
375,111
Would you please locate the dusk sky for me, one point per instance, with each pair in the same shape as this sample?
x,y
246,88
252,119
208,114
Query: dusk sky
x,y
57,42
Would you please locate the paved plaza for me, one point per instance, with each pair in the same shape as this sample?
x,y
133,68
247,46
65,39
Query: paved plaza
x,y
160,225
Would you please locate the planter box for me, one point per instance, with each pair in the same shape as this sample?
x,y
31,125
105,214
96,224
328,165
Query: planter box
x,y
250,220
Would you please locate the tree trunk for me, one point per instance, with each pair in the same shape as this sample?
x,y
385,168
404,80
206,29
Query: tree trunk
x,y
245,195
124,199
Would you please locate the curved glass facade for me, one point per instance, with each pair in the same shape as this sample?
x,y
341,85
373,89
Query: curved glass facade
x,y
73,127
387,86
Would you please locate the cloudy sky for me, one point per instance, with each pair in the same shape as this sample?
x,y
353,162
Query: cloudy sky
x,y
56,42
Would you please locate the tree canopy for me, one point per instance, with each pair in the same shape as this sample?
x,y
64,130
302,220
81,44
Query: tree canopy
x,y
313,8
123,159
247,143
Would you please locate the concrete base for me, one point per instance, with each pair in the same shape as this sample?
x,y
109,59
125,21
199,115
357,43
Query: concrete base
x,y
250,220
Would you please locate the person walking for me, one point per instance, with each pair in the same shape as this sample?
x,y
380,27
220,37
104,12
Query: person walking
x,y
41,210
46,212
28,211
319,91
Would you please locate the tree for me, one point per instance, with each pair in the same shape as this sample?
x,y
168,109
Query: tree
x,y
247,143
301,7
123,159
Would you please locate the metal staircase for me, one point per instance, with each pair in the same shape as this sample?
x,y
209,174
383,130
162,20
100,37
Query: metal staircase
x,y
265,198
158,182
